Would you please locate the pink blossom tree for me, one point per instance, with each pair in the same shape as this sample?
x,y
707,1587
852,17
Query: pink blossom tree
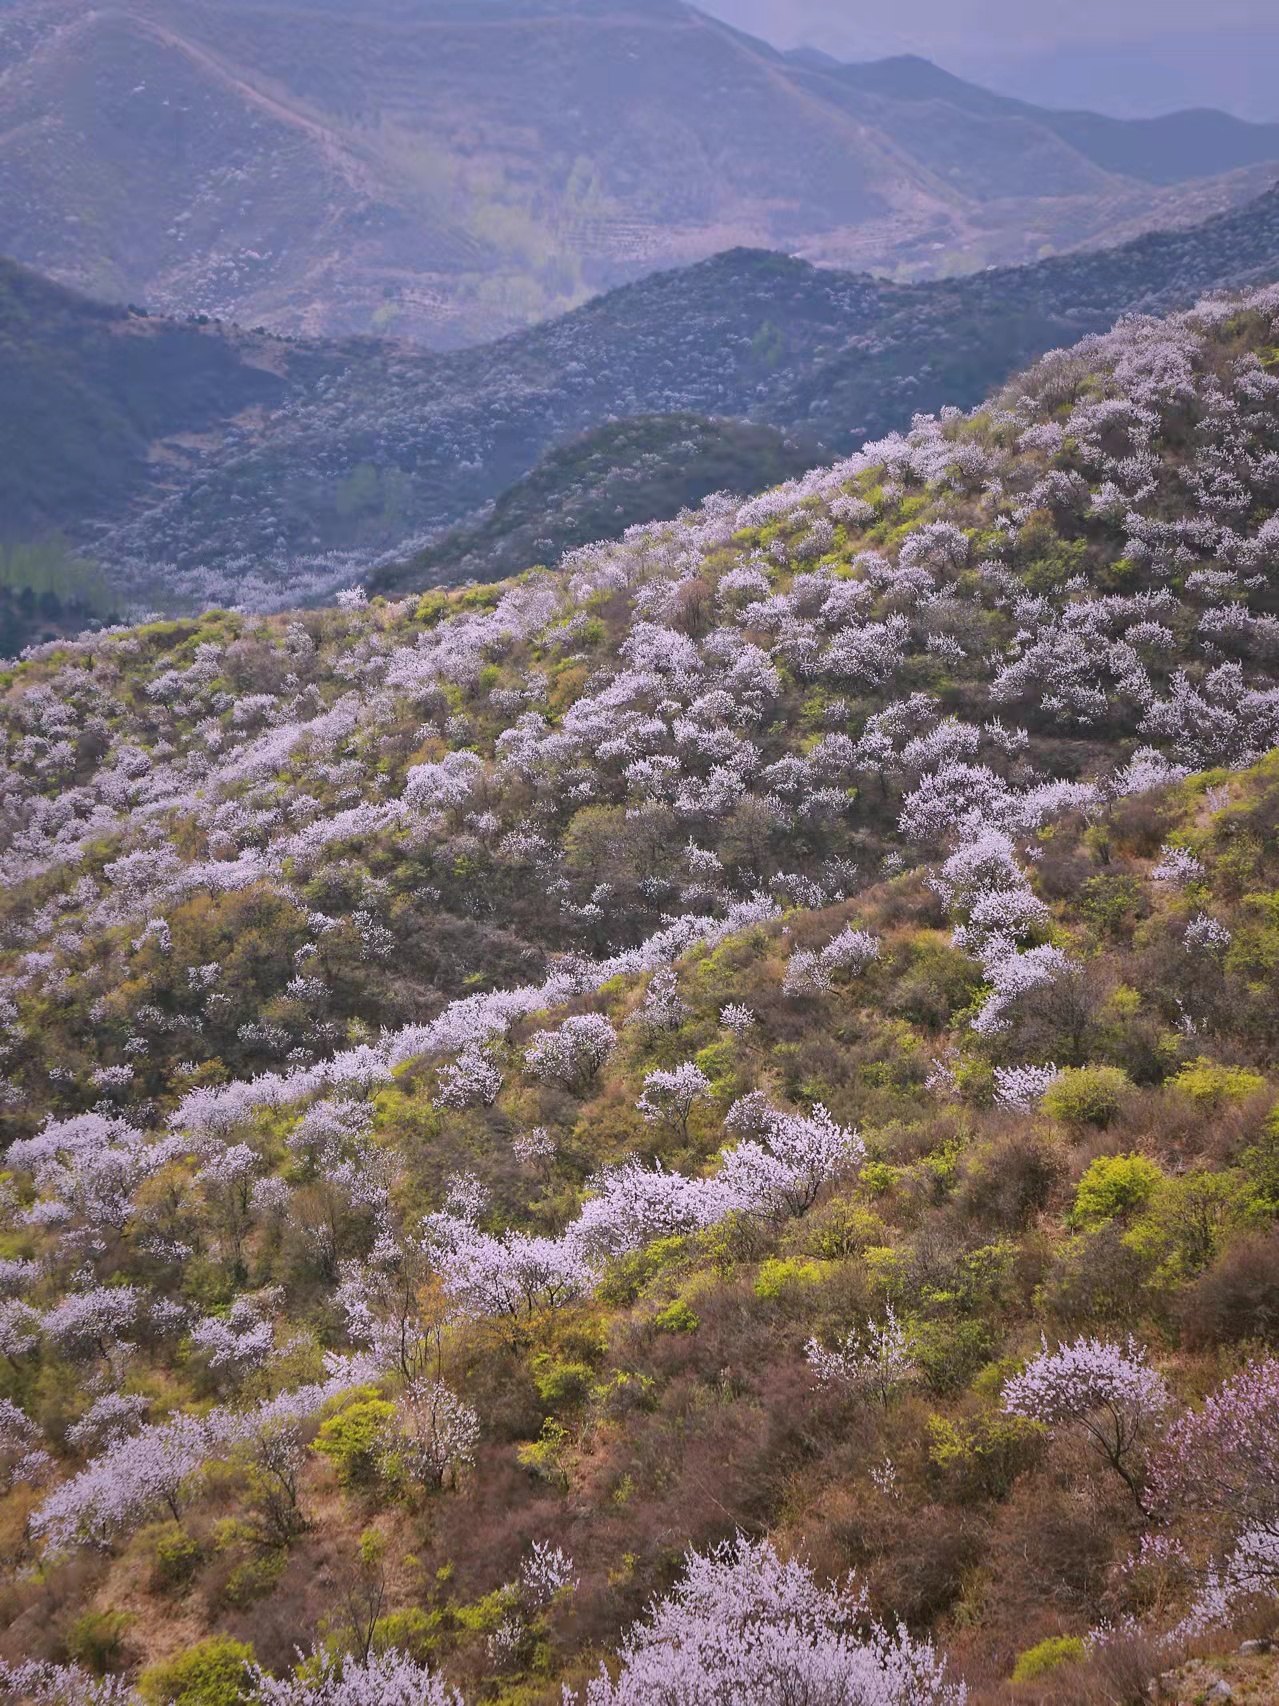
x,y
1109,1391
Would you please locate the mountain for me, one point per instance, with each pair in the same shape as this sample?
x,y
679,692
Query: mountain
x,y
560,1137
613,477
376,445
450,172
1165,150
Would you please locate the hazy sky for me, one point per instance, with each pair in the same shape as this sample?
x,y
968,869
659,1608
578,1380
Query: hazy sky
x,y
1121,55
1004,24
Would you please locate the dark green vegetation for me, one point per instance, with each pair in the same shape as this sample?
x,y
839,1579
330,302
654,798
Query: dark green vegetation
x,y
88,390
47,591
450,172
642,469
376,443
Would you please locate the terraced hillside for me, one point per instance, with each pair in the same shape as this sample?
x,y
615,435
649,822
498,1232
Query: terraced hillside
x,y
613,1100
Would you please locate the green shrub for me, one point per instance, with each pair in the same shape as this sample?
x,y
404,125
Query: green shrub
x,y
96,1640
1207,1082
255,1578
352,1440
174,1554
1115,1187
1086,1095
561,1385
949,1353
413,1631
212,1673
677,1317
778,1275
1037,1661
546,1458
626,1277
981,1457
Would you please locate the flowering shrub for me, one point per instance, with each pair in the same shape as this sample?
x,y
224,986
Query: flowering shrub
x,y
744,1625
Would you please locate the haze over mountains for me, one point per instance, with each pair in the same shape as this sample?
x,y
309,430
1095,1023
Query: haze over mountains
x,y
265,471
448,171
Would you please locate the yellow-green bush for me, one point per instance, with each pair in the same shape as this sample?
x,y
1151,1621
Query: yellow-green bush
x,y
779,1275
1115,1187
677,1317
212,1673
352,1439
1206,1081
1086,1095
1037,1661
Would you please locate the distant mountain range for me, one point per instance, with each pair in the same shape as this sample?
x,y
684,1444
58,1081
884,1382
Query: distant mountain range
x,y
199,463
449,170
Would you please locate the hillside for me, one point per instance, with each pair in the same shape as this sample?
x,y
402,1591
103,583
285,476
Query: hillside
x,y
90,389
643,469
449,173
377,443
761,1038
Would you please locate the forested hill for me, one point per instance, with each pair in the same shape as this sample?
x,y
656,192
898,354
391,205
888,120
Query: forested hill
x,y
759,1039
377,443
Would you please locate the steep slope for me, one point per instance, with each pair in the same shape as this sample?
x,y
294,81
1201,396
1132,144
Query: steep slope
x,y
448,173
505,1085
642,469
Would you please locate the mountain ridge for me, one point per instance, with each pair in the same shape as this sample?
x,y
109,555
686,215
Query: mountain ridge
x,y
449,176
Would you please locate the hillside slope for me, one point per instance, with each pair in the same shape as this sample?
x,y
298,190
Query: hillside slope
x,y
89,391
503,1086
399,442
449,173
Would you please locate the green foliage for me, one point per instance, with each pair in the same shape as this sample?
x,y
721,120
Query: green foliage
x,y
354,1437
980,1457
96,1640
256,1577
411,1631
645,468
546,1457
779,1276
677,1317
1115,1187
1213,1085
1183,1229
1048,1656
1086,1095
949,1352
562,1385
212,1673
175,1555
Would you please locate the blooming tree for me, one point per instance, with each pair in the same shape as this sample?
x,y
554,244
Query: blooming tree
x,y
781,1166
744,1625
1108,1390
668,1098
873,1363
436,1434
381,1679
573,1055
